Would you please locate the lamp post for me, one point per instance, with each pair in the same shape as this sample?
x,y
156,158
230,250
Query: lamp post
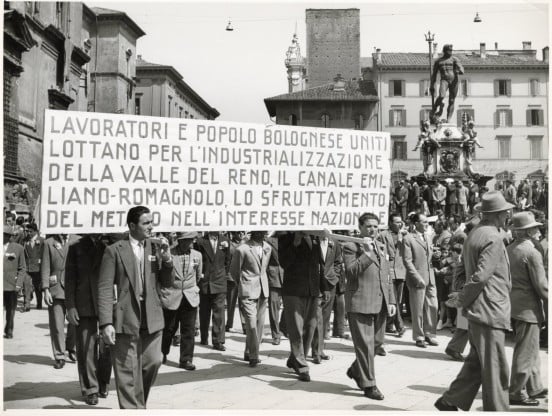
x,y
430,37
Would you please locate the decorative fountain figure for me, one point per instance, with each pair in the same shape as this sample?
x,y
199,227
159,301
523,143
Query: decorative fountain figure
x,y
429,144
469,141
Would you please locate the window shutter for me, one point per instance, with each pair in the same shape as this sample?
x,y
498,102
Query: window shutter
x,y
471,113
496,87
403,92
509,118
497,119
422,115
422,88
403,117
459,117
509,88
391,88
391,123
541,117
534,87
528,117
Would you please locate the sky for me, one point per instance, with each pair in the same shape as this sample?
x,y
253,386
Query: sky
x,y
235,71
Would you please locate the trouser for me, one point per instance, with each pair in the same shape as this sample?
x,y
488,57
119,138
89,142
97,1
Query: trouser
x,y
94,364
253,311
486,366
10,304
274,306
184,318
526,378
404,212
339,315
423,310
396,320
37,285
231,300
458,341
214,303
323,312
379,329
56,318
27,291
136,361
300,315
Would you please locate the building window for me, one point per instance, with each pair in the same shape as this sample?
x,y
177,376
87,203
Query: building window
x,y
502,87
397,117
359,122
325,120
137,106
292,120
191,116
170,102
504,146
535,147
424,88
464,87
535,117
465,114
425,114
180,112
185,114
399,147
396,88
535,87
503,117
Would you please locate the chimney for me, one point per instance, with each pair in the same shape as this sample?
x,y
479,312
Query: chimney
x,y
339,83
545,52
482,50
526,45
496,46
378,55
435,51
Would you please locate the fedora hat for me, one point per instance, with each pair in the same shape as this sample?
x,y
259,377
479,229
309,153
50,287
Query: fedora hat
x,y
524,220
493,201
189,234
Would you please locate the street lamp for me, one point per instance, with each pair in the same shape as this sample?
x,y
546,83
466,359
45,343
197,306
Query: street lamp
x,y
430,37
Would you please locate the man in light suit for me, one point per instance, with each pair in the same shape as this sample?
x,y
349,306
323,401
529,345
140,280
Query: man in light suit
x,y
14,269
369,298
248,269
275,274
180,301
529,290
52,271
131,316
81,290
330,253
420,280
485,299
215,250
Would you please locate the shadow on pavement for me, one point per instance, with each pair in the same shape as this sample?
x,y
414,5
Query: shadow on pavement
x,y
43,326
29,359
430,389
65,390
375,407
75,406
421,354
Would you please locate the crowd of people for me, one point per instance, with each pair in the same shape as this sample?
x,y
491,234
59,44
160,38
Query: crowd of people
x,y
455,263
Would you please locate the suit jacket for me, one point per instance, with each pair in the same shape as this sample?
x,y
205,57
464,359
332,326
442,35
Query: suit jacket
x,y
402,196
82,270
368,280
33,255
332,262
275,272
118,274
53,264
510,194
394,248
303,267
439,194
474,194
452,197
186,277
216,266
462,195
249,271
14,267
417,256
486,294
529,282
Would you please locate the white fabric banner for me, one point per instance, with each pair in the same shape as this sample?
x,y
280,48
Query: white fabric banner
x,y
208,175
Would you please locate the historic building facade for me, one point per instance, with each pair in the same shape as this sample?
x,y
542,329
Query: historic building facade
x,y
162,92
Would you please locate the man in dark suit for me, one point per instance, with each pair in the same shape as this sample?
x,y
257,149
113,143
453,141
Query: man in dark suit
x,y
14,270
215,250
236,238
303,283
485,299
401,199
81,291
52,271
131,316
529,290
33,256
275,275
330,253
420,280
249,270
369,298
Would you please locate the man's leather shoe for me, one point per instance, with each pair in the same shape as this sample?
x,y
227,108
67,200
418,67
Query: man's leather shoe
x,y
456,356
203,342
401,332
8,336
72,356
444,407
91,399
164,359
304,376
525,402
27,309
245,357
324,356
59,364
291,365
381,351
103,393
373,393
316,360
253,362
431,341
421,344
276,341
219,347
541,395
187,365
351,376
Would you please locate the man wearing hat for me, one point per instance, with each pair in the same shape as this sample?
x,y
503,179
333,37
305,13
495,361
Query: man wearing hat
x,y
14,272
180,301
529,290
485,299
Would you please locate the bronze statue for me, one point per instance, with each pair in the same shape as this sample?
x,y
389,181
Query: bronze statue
x,y
449,68
468,147
429,144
